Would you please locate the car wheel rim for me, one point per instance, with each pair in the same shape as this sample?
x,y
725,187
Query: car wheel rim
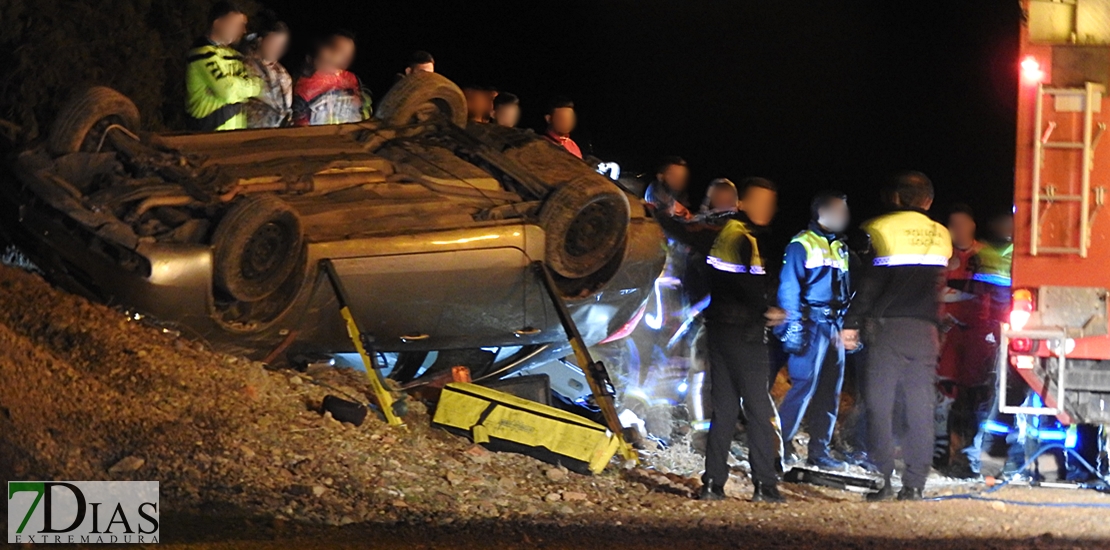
x,y
264,251
591,230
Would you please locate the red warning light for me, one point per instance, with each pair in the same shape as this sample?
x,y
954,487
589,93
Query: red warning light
x,y
1031,70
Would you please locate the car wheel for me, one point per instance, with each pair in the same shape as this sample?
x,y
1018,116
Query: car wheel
x,y
256,246
420,96
81,123
585,221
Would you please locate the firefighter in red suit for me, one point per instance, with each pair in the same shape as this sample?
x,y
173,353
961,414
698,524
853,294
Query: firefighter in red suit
x,y
968,347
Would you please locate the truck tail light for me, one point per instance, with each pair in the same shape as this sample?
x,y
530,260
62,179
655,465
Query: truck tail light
x,y
1021,345
1022,308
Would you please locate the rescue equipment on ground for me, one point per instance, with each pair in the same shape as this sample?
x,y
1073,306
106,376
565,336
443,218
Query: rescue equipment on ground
x,y
823,478
504,422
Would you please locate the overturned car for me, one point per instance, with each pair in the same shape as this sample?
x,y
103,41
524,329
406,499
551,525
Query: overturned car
x,y
432,224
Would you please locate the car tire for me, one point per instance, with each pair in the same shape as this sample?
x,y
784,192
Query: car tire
x,y
419,95
585,221
81,123
256,246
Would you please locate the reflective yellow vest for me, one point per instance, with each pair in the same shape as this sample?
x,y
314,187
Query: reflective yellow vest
x,y
995,265
724,255
217,86
908,238
821,253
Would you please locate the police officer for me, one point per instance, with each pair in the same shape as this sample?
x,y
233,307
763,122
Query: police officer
x,y
814,293
737,319
899,299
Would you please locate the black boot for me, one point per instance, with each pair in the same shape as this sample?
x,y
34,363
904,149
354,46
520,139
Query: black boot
x,y
710,490
767,492
910,493
886,493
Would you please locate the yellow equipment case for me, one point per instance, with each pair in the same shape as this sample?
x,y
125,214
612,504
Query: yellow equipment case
x,y
503,422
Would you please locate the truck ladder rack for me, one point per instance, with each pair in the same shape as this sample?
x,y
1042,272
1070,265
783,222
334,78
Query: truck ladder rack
x,y
1090,94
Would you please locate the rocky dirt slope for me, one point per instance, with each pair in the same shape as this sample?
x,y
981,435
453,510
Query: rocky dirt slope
x,y
87,393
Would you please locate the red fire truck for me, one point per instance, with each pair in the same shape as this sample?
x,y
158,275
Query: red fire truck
x,y
1057,338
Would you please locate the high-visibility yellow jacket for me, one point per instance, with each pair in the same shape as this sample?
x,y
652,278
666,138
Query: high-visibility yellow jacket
x,y
217,87
814,282
739,289
907,274
995,263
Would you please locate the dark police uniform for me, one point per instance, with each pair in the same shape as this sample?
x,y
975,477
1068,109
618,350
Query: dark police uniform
x,y
738,355
899,296
814,292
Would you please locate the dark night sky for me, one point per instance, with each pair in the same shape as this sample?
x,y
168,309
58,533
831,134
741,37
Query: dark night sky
x,y
810,94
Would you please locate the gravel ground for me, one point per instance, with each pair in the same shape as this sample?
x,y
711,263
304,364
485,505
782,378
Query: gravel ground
x,y
246,461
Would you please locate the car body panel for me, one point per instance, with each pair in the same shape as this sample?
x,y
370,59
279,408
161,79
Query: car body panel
x,y
425,287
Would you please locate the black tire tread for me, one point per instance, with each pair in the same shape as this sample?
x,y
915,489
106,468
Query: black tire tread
x,y
83,111
231,236
403,100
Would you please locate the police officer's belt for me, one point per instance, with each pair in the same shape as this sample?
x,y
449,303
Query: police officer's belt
x,y
820,313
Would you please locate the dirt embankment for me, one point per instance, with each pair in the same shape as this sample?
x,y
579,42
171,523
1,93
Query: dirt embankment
x,y
87,394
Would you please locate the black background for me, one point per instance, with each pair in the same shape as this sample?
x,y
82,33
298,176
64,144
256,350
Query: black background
x,y
813,95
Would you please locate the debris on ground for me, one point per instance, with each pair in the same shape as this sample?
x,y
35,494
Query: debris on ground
x,y
88,393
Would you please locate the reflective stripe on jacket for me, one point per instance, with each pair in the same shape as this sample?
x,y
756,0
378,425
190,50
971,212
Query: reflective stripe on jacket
x,y
814,275
909,238
907,274
217,86
738,285
725,254
995,264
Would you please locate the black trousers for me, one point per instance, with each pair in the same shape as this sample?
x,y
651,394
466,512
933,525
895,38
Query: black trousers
x,y
738,378
902,367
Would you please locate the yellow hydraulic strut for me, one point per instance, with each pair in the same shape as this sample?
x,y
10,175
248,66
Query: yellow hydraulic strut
x,y
364,344
596,375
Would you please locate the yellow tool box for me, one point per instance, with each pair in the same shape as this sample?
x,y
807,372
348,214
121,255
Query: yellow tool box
x,y
503,422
